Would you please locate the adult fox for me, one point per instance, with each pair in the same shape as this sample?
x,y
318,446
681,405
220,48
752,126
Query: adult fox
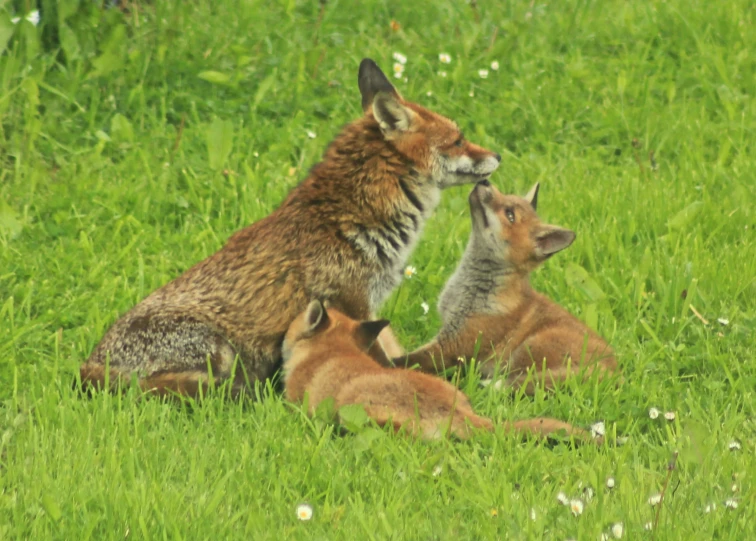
x,y
325,357
343,235
489,303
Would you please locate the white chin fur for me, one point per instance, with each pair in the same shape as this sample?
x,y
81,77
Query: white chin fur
x,y
463,170
486,167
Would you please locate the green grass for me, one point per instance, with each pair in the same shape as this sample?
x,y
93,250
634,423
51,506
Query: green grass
x,y
122,170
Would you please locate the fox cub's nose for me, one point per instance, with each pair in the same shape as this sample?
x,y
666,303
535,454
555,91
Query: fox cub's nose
x,y
498,157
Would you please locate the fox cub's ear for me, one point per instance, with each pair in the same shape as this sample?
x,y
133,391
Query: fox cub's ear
x,y
551,239
316,316
368,332
532,196
372,81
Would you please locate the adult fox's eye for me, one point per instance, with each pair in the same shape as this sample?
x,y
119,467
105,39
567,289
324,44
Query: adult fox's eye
x,y
510,215
459,142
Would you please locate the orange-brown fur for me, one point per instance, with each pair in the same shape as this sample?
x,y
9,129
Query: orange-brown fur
x,y
324,357
343,235
168,384
489,303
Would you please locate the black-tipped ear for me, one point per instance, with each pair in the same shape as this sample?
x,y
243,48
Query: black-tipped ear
x,y
372,81
368,331
316,316
551,239
532,196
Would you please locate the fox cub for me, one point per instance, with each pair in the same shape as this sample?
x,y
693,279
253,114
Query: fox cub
x,y
343,235
325,357
489,303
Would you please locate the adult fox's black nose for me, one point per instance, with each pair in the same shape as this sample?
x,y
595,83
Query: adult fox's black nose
x,y
498,157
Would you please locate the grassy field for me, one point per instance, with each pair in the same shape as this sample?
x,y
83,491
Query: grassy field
x,y
133,147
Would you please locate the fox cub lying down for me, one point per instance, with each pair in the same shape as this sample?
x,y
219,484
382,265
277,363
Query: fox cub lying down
x,y
325,356
488,300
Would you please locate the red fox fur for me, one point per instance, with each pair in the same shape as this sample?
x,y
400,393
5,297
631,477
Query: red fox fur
x,y
343,235
325,357
489,300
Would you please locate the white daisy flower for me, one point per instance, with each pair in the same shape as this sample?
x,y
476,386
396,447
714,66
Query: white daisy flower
x,y
576,506
655,499
399,57
472,93
734,445
710,507
311,134
304,511
425,307
669,416
723,321
598,429
617,530
610,483
734,487
731,503
532,514
398,70
562,498
33,17
653,413
409,271
483,74
442,74
495,65
445,58
648,526
429,93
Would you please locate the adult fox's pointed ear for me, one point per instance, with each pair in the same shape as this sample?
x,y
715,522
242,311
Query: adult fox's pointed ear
x,y
316,316
532,196
372,81
368,331
392,116
377,92
551,239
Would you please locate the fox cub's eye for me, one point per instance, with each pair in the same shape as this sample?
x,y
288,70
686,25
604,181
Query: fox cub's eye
x,y
459,142
510,215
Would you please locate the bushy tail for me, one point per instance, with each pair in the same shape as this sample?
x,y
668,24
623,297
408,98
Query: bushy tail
x,y
95,377
546,427
191,383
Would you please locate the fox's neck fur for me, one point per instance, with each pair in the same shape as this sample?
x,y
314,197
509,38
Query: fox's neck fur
x,y
481,285
386,200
